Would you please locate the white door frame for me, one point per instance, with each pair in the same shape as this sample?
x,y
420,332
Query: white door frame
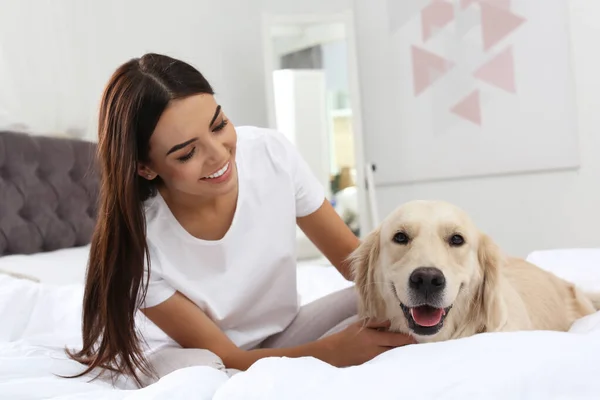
x,y
347,18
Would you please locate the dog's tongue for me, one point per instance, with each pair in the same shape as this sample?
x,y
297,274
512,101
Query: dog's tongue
x,y
427,316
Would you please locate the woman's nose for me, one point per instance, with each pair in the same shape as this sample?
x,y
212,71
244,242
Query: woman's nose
x,y
216,151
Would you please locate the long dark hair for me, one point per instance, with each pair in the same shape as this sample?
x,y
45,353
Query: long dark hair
x,y
134,99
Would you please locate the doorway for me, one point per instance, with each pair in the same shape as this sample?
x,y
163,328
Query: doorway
x,y
313,98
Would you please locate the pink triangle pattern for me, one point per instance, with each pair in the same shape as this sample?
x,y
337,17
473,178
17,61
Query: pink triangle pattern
x,y
497,23
435,16
469,108
499,71
427,68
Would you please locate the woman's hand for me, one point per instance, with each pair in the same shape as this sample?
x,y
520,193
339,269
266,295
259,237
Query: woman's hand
x,y
360,343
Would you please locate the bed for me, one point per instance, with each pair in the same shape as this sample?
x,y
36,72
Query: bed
x,y
48,187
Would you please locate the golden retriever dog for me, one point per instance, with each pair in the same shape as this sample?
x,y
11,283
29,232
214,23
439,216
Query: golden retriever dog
x,y
434,275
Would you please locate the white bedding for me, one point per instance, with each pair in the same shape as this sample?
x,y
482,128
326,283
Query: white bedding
x,y
38,320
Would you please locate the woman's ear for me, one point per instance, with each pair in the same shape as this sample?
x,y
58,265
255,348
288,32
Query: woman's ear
x,y
493,306
363,263
145,171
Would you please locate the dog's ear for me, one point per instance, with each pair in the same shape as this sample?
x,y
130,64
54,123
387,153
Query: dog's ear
x,y
493,307
363,263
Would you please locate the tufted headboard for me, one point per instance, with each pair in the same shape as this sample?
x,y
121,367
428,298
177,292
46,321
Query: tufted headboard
x,y
48,193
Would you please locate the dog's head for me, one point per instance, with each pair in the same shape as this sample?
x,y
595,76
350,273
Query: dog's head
x,y
430,271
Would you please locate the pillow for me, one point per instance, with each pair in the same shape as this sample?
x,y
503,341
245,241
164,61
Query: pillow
x,y
59,267
19,276
580,266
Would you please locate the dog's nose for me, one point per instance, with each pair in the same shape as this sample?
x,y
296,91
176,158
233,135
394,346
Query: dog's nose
x,y
427,280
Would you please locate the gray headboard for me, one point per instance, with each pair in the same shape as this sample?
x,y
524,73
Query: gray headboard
x,y
48,193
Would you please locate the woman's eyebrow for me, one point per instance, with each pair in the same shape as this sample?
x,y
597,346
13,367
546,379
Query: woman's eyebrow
x,y
180,146
215,116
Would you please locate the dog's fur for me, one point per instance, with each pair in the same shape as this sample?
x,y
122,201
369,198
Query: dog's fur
x,y
487,291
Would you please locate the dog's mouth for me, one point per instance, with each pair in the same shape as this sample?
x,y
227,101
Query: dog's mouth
x,y
425,319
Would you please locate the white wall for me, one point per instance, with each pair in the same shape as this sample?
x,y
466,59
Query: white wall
x,y
522,212
291,7
335,65
56,56
301,114
60,53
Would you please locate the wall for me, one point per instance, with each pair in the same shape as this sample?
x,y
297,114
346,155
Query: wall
x,y
60,54
295,7
56,56
522,212
301,116
335,65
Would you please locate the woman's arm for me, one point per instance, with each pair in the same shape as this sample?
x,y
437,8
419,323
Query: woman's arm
x,y
331,235
185,323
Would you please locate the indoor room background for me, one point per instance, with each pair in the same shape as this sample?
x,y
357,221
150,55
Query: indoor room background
x,y
500,119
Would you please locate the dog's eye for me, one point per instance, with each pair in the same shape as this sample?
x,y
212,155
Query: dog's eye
x,y
457,240
401,238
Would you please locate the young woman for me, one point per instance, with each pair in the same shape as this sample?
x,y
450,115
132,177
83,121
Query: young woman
x,y
197,229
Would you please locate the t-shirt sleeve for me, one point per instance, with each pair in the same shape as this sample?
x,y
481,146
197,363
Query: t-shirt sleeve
x,y
309,192
159,289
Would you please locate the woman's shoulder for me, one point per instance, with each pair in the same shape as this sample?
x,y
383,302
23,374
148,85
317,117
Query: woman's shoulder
x,y
152,207
156,217
249,135
265,144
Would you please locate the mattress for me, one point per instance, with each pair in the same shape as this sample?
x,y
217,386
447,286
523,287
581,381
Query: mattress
x,y
37,320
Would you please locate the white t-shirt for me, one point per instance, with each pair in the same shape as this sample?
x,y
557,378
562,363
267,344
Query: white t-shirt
x,y
246,281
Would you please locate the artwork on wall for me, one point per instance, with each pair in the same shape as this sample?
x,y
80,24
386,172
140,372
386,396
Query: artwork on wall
x,y
480,87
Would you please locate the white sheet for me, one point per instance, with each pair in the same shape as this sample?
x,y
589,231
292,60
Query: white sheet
x,y
532,365
38,320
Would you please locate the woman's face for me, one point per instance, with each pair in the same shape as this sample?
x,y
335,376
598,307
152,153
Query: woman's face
x,y
193,148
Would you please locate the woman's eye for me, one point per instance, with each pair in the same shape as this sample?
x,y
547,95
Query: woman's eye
x,y
222,125
187,156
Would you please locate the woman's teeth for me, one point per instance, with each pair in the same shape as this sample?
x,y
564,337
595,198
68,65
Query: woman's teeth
x,y
218,173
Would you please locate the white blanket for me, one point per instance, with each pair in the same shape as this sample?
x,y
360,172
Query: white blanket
x,y
532,365
38,320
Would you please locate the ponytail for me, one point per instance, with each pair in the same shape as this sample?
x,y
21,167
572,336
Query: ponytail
x,y
132,103
118,250
113,281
